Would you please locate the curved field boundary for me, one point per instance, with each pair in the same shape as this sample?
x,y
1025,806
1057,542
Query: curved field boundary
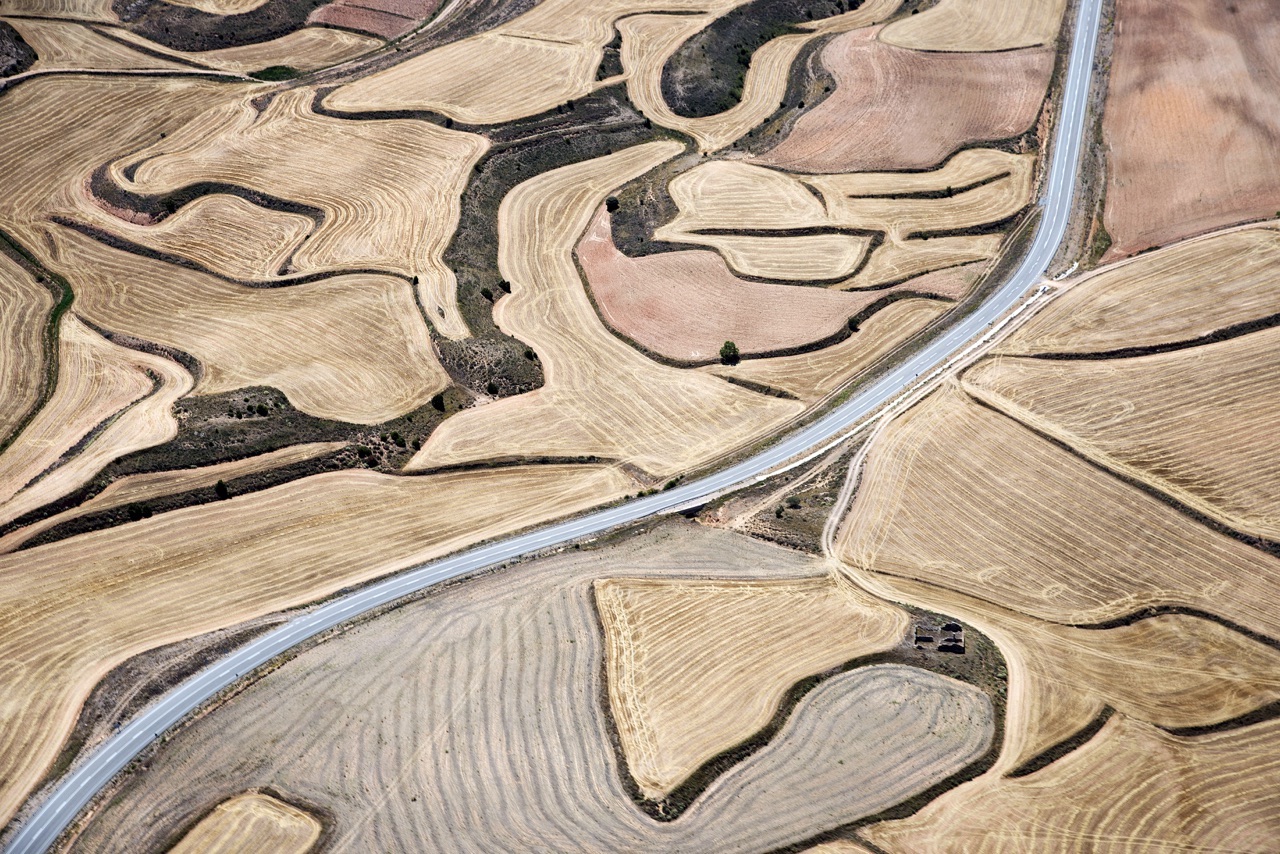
x,y
151,485
182,573
252,820
108,401
979,25
694,667
999,528
594,382
1194,424
649,41
413,172
1132,787
25,305
1179,293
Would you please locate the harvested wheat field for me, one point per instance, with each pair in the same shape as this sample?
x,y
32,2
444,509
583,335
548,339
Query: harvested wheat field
x,y
898,260
649,41
962,497
695,667
350,347
684,305
24,310
63,45
1180,293
411,173
108,401
71,10
306,49
1171,670
252,821
596,385
1192,124
134,587
151,485
490,732
1196,424
911,108
979,25
812,376
1132,788
974,188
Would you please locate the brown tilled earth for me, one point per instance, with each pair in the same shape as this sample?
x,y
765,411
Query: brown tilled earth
x,y
1192,121
911,108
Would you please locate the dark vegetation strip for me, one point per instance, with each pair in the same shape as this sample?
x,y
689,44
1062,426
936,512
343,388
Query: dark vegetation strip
x,y
705,75
583,129
188,29
16,56
106,33
1259,715
158,207
516,462
1226,333
1068,745
981,665
994,227
1150,611
1262,544
63,296
943,193
124,245
760,388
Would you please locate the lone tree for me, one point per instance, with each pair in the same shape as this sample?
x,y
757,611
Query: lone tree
x,y
729,353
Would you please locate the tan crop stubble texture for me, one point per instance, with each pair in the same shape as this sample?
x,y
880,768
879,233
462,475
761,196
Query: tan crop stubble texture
x,y
601,397
151,485
108,401
24,310
389,188
695,667
911,109
965,498
979,25
1192,121
252,821
72,610
1178,293
1195,424
1131,788
488,731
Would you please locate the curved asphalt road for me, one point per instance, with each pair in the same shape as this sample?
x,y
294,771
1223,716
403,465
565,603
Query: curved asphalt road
x,y
78,787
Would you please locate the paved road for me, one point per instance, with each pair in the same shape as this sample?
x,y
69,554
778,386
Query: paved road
x,y
75,791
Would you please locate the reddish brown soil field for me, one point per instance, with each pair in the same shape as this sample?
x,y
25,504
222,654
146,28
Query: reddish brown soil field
x,y
910,109
685,305
1192,121
385,18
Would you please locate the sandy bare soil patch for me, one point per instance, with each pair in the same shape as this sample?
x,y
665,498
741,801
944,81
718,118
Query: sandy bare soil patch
x,y
1171,670
684,305
979,25
109,401
1197,424
176,575
1176,294
1192,123
812,376
350,347
410,172
695,667
252,821
24,310
361,18
962,497
145,487
601,397
911,109
1132,788
489,730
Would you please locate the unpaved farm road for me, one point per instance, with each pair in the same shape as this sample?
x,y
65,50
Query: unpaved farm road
x,y
77,788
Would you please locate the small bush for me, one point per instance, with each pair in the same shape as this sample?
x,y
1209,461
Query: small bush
x,y
492,387
220,490
274,73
